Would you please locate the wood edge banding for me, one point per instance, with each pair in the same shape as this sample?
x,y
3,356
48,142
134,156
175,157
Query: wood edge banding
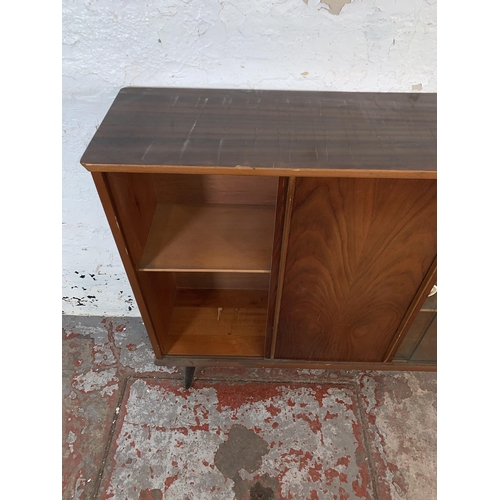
x,y
264,171
282,264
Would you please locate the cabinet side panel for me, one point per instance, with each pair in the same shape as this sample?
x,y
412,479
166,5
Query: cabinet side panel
x,y
358,252
134,202
108,201
159,291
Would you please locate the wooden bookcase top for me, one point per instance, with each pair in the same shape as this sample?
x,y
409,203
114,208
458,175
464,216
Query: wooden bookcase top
x,y
267,132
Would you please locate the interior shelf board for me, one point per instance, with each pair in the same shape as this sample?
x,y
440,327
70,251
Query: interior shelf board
x,y
210,238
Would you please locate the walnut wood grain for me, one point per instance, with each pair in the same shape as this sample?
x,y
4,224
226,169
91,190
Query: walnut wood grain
x,y
267,132
358,252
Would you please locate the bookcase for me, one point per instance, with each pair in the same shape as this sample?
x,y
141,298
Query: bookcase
x,y
273,228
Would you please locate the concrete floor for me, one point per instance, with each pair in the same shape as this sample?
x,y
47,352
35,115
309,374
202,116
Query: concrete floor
x,y
131,431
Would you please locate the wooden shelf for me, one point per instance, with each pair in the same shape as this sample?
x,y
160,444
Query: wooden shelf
x,y
211,238
217,323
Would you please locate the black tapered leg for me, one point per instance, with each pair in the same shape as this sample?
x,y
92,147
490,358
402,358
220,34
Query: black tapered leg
x,y
188,376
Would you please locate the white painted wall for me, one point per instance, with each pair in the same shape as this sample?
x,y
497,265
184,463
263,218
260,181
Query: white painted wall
x,y
371,45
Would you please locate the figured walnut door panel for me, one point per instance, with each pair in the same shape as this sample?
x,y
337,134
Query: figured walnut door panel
x,y
358,251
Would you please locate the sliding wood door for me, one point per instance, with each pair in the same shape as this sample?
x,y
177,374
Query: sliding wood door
x,y
358,251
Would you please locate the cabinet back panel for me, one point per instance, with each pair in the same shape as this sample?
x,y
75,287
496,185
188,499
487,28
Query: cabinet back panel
x,y
223,281
216,189
358,251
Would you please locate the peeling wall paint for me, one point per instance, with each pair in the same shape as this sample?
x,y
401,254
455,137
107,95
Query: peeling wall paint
x,y
335,5
362,45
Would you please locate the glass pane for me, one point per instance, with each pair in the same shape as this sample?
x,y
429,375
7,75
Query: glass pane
x,y
420,343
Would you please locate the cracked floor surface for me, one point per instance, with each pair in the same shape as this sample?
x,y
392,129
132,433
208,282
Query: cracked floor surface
x,y
131,430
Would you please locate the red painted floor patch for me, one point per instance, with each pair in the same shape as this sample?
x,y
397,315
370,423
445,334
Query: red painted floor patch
x,y
237,441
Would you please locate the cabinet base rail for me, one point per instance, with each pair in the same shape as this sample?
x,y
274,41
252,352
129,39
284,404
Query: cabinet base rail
x,y
184,361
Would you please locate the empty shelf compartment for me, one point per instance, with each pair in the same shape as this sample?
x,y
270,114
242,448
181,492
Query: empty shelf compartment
x,y
212,238
217,323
